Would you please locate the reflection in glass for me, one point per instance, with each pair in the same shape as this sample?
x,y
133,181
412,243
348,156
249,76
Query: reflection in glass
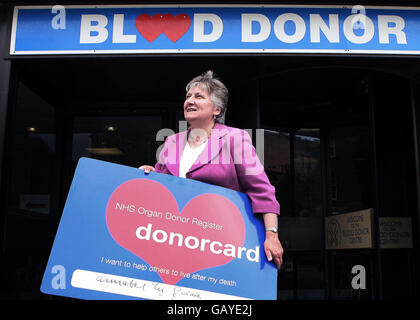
x,y
129,140
33,155
348,169
293,165
277,166
307,170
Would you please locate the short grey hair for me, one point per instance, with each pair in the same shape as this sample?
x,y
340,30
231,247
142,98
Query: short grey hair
x,y
219,94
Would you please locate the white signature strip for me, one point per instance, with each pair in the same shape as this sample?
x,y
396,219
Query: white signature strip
x,y
141,288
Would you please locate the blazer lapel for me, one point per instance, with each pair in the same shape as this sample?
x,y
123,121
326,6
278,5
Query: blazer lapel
x,y
212,149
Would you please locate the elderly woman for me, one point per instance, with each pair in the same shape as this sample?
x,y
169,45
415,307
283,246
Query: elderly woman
x,y
214,153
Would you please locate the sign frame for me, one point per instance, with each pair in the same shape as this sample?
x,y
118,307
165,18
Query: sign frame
x,y
249,50
395,232
343,231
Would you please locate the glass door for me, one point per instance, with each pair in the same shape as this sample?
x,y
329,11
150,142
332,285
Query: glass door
x,y
349,187
293,164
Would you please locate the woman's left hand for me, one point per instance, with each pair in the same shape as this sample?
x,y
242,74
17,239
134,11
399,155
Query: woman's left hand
x,y
273,249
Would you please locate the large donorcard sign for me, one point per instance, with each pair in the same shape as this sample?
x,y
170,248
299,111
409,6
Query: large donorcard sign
x,y
127,235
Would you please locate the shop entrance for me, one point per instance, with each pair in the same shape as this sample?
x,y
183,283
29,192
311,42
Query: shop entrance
x,y
325,138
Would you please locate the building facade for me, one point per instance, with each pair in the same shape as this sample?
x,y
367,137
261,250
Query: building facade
x,y
339,125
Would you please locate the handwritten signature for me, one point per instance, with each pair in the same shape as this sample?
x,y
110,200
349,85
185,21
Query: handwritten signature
x,y
163,290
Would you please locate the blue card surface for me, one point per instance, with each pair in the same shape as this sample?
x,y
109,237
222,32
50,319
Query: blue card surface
x,y
127,235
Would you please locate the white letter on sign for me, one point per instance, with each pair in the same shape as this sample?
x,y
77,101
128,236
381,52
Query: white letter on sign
x,y
118,35
359,280
385,30
369,29
299,31
199,20
86,28
59,21
59,280
262,20
317,24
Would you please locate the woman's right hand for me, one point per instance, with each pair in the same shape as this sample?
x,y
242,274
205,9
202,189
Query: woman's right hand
x,y
147,168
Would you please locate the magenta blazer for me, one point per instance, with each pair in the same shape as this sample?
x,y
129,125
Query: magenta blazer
x,y
229,160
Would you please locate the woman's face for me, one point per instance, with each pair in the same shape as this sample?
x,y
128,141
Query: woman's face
x,y
198,107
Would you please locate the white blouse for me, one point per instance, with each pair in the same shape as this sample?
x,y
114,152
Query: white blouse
x,y
189,156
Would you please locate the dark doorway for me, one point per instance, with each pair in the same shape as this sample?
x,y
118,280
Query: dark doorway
x,y
318,126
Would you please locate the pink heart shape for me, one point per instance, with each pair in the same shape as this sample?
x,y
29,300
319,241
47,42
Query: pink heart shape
x,y
139,203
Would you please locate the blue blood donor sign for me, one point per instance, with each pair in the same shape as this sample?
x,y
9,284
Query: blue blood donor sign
x,y
127,235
